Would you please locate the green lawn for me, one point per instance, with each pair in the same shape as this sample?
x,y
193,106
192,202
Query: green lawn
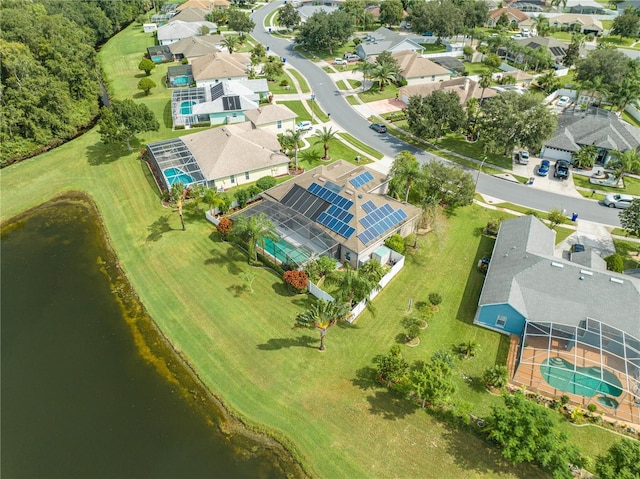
x,y
242,344
433,48
617,41
338,150
629,119
354,83
304,86
352,100
362,146
374,93
298,108
459,144
342,85
631,185
476,68
276,88
625,249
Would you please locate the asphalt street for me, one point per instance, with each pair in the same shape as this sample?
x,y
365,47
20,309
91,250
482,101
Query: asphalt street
x,y
331,101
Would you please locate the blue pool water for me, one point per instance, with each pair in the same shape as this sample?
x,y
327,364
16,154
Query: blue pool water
x,y
285,252
583,381
185,107
181,81
176,175
157,59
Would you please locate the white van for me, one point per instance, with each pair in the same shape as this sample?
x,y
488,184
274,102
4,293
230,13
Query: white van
x,y
304,126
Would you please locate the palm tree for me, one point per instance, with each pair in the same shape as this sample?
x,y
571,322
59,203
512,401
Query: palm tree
x,y
366,68
468,348
354,287
294,138
404,171
547,82
627,91
212,198
484,82
585,157
625,162
179,193
253,230
496,377
557,3
324,136
321,316
542,25
231,43
385,73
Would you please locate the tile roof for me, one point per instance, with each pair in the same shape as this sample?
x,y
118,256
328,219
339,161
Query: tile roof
x,y
198,46
413,65
218,65
269,114
520,16
524,273
234,149
180,30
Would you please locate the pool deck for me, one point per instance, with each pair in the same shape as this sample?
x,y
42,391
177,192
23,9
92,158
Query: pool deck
x,y
528,374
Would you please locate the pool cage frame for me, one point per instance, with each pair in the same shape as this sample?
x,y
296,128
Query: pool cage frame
x,y
297,230
196,95
601,349
173,154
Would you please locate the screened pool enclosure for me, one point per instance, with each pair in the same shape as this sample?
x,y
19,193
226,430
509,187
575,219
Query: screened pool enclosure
x,y
172,162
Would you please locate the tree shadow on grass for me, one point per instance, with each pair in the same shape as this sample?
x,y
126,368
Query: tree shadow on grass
x,y
158,228
229,259
281,289
390,406
365,378
151,181
167,117
305,341
104,153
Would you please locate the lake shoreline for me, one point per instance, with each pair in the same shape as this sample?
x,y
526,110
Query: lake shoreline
x,y
157,349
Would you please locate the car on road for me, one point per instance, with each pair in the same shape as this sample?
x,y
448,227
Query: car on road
x,y
523,157
543,169
562,101
340,61
304,126
618,201
379,127
562,169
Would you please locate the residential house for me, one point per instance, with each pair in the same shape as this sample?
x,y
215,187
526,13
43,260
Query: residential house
x,y
577,23
414,69
307,9
517,18
557,48
587,8
374,10
274,118
177,30
205,4
159,53
529,6
566,338
522,78
218,158
631,3
219,103
194,47
191,14
383,39
217,66
602,129
344,204
454,65
179,76
465,88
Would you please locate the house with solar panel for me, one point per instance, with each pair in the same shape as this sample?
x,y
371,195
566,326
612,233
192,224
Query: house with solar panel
x,y
574,326
221,103
339,210
217,158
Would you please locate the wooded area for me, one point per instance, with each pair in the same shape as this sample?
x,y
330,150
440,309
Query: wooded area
x,y
50,78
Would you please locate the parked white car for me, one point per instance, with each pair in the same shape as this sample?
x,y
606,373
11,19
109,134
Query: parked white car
x,y
340,61
618,201
563,101
304,126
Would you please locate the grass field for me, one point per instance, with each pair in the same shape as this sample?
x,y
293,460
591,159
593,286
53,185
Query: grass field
x,y
298,108
631,185
242,344
357,143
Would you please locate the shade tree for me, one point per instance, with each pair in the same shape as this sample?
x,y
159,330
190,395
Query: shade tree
x,y
326,32
621,461
391,12
449,186
125,119
435,115
630,218
288,16
433,383
404,172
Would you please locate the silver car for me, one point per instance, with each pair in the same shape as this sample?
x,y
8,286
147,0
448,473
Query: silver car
x,y
618,201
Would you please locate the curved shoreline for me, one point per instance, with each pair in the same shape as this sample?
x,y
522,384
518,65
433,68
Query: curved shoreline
x,y
156,349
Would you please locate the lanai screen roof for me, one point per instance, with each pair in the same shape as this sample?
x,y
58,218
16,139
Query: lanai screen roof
x,y
172,155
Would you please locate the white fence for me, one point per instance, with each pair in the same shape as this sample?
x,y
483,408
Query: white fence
x,y
319,293
633,111
398,259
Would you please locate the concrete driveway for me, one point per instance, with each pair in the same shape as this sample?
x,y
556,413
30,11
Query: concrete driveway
x,y
547,183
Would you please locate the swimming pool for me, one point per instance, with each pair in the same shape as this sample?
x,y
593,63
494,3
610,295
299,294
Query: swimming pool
x,y
185,107
176,175
285,252
181,81
560,374
157,59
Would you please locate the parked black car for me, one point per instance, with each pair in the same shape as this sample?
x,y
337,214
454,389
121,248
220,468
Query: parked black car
x,y
562,169
379,127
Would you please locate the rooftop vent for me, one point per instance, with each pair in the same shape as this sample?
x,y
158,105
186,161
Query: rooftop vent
x,y
557,265
616,280
348,191
320,178
584,271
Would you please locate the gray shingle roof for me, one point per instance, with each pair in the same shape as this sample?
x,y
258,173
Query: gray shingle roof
x,y
524,273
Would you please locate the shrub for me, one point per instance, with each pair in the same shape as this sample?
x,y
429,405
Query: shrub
x,y
435,298
298,280
396,243
615,263
184,61
242,196
412,326
592,408
445,357
224,226
492,228
564,399
284,83
495,377
266,182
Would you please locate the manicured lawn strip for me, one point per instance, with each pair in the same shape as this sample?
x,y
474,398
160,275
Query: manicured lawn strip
x,y
433,48
592,196
631,185
298,108
629,119
374,93
357,143
311,157
624,248
319,113
354,83
352,100
342,85
329,69
459,144
476,68
269,19
243,346
617,41
304,86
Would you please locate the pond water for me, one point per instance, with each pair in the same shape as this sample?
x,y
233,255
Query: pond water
x,y
78,397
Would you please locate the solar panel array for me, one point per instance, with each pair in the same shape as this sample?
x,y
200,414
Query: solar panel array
x,y
379,220
300,200
361,179
330,196
231,103
337,216
216,91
